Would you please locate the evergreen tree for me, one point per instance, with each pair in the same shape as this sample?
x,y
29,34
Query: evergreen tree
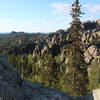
x,y
76,65
94,74
49,71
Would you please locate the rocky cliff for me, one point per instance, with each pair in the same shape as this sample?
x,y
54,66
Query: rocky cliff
x,y
12,87
56,41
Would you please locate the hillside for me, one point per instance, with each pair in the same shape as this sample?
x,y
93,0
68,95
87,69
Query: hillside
x,y
34,55
67,60
12,87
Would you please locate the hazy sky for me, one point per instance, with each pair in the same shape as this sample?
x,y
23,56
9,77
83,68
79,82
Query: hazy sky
x,y
42,15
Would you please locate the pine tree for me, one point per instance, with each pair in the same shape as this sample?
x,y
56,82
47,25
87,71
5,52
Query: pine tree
x,y
76,12
77,65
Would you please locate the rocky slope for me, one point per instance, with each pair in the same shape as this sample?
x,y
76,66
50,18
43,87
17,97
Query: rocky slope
x,y
12,87
56,41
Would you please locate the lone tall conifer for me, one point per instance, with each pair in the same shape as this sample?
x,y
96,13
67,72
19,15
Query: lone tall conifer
x,y
76,64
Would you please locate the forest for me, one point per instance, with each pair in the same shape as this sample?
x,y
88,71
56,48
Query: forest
x,y
67,60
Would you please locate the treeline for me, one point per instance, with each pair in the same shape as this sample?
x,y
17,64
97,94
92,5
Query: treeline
x,y
19,42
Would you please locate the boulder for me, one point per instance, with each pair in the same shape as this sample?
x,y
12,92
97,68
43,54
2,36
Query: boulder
x,y
96,94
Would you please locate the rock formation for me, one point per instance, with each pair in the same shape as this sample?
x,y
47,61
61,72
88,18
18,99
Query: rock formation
x,y
57,40
98,21
91,53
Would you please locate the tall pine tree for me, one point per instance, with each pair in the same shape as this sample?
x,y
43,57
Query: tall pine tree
x,y
76,64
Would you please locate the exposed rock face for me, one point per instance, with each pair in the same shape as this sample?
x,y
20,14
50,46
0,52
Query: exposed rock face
x,y
88,37
98,21
96,94
91,53
55,41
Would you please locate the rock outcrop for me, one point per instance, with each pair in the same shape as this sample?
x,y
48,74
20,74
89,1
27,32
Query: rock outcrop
x,y
96,94
56,41
12,87
91,53
53,45
88,38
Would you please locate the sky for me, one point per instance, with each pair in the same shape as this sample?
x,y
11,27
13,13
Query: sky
x,y
42,15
